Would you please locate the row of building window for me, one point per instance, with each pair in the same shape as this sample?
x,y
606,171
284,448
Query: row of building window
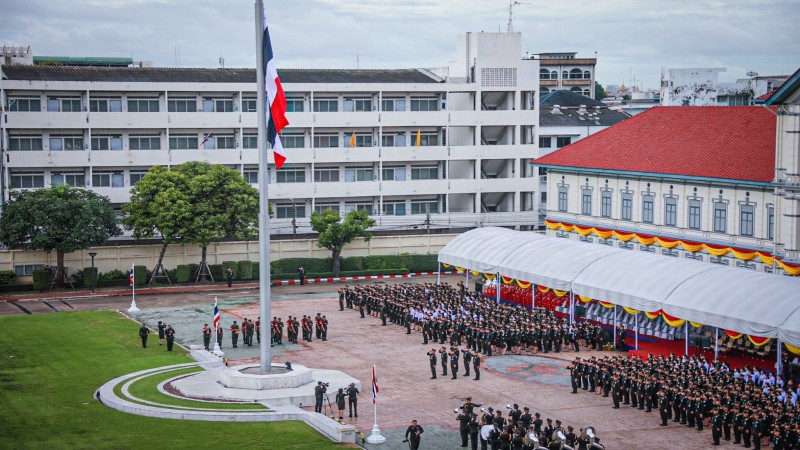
x,y
561,141
574,74
192,104
390,208
27,142
286,175
694,212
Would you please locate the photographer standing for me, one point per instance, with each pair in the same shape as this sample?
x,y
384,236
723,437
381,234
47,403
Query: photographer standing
x,y
319,392
413,433
352,400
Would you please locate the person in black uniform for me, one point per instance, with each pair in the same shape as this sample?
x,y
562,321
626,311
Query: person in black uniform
x,y
162,328
352,399
229,275
341,299
340,403
716,427
219,336
432,358
453,365
474,430
319,392
476,365
663,407
206,336
463,419
443,356
413,435
170,335
301,273
143,332
467,361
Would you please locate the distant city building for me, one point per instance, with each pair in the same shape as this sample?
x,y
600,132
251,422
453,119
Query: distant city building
x,y
564,71
445,148
700,87
16,55
566,117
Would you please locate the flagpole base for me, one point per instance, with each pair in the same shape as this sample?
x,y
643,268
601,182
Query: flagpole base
x,y
133,307
217,351
376,437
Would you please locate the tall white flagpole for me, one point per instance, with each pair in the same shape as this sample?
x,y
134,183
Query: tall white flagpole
x,y
133,307
263,198
375,437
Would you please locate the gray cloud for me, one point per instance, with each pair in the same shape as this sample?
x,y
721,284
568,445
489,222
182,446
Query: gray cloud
x,y
631,36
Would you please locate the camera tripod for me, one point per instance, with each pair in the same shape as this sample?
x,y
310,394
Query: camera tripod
x,y
327,400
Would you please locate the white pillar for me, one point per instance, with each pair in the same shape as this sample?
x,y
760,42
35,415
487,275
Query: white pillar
x,y
716,343
499,285
686,338
636,324
438,272
779,364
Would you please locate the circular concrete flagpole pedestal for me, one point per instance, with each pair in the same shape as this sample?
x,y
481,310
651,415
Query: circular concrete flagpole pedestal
x,y
376,437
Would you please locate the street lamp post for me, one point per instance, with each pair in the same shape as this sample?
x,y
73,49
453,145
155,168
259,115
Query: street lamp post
x,y
92,254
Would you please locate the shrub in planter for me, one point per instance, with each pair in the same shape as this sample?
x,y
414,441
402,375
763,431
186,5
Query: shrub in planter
x,y
86,274
41,279
217,272
183,273
8,277
245,270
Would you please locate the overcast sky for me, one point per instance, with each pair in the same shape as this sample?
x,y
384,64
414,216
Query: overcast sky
x,y
631,37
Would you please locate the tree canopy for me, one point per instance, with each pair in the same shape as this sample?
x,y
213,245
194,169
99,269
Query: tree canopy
x,y
599,91
59,218
335,232
192,203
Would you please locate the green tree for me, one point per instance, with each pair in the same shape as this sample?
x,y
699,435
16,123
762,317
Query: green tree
x,y
335,232
159,207
193,203
60,218
599,91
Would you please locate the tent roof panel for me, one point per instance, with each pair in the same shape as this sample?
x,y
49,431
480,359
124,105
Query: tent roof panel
x,y
483,249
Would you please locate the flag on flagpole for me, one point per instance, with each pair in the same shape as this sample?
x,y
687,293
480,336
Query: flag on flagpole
x,y
276,100
130,276
206,137
353,140
216,315
419,137
375,389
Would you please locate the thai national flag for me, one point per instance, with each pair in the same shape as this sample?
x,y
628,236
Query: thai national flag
x,y
276,100
216,315
206,137
130,276
375,389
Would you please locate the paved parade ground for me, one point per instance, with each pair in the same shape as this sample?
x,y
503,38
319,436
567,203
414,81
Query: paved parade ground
x,y
539,382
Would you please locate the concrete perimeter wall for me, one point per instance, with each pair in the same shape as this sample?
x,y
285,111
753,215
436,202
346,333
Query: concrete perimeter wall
x,y
120,256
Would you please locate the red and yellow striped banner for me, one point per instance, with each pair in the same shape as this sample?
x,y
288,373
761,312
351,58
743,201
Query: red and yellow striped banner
x,y
523,284
733,334
758,341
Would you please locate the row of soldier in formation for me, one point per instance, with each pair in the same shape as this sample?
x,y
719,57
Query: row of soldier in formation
x,y
458,316
692,391
519,430
453,355
250,328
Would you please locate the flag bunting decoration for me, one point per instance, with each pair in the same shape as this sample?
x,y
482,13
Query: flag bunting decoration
x,y
276,100
375,389
353,140
206,137
130,276
216,315
419,137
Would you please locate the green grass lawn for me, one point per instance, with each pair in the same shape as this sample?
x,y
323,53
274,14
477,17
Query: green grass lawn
x,y
146,389
51,364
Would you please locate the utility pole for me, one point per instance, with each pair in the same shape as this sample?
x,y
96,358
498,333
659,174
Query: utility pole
x,y
294,219
511,4
428,217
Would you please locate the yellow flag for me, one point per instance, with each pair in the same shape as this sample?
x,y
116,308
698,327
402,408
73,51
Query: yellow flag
x,y
419,137
353,140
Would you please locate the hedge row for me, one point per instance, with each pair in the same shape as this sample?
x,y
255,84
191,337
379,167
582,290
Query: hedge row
x,y
343,273
414,263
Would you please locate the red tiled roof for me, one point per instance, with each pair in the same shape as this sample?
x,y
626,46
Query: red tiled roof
x,y
730,142
767,95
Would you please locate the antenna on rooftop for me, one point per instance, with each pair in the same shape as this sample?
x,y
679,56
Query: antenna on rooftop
x,y
221,61
511,4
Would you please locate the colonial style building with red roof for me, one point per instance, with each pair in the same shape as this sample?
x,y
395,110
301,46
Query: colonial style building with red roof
x,y
686,182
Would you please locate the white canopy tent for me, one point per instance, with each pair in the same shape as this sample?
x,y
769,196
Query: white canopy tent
x,y
740,300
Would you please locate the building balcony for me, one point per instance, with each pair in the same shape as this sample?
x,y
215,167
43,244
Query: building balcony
x,y
46,120
577,82
206,120
140,158
114,194
413,187
548,83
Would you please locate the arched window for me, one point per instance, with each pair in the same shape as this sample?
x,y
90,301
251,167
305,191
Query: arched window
x,y
575,74
565,75
554,75
544,74
543,91
587,93
587,75
577,90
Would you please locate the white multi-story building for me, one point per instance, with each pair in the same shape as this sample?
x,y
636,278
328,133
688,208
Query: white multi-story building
x,y
701,87
445,148
688,182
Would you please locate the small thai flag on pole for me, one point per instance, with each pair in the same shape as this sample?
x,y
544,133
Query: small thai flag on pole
x,y
375,389
216,315
130,276
206,137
